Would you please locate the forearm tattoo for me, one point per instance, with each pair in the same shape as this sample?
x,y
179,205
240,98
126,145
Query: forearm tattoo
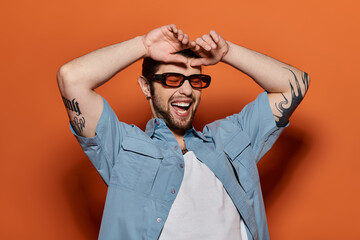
x,y
78,122
285,109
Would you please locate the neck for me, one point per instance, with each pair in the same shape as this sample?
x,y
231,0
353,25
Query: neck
x,y
179,136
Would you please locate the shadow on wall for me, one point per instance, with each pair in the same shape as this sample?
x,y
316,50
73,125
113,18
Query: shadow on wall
x,y
277,166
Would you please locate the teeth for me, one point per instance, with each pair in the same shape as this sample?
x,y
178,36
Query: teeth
x,y
179,104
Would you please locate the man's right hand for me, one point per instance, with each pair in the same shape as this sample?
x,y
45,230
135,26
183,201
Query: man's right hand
x,y
162,43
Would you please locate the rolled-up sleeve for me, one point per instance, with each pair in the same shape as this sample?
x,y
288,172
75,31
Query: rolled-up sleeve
x,y
257,121
103,149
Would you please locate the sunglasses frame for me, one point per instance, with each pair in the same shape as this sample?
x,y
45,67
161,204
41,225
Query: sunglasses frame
x,y
162,78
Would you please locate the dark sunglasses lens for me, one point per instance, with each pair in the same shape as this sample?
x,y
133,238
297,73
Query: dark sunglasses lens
x,y
200,81
173,80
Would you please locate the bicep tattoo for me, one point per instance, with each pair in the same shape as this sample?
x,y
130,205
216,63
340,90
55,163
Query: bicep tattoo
x,y
287,106
78,123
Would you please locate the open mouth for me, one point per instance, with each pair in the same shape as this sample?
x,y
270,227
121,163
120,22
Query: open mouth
x,y
181,108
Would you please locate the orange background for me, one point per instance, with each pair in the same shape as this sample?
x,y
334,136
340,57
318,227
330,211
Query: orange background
x,y
310,179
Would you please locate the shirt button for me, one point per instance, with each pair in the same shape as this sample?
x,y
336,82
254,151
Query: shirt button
x,y
176,148
158,220
173,191
181,165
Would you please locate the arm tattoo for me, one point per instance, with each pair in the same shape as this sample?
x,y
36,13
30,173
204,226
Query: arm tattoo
x,y
72,105
78,124
296,97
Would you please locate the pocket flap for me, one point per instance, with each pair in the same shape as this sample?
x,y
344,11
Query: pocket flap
x,y
236,144
142,147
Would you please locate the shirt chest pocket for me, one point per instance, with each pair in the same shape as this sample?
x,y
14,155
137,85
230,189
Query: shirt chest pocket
x,y
137,165
240,154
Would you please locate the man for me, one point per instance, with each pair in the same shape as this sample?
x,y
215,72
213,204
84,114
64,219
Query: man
x,y
172,182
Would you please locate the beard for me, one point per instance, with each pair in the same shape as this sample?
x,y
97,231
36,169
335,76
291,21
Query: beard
x,y
173,122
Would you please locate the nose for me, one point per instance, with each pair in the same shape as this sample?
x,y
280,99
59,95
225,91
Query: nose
x,y
186,88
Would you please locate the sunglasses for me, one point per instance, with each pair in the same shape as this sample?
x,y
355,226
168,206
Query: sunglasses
x,y
174,80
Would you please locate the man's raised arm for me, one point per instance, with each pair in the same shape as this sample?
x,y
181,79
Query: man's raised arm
x,y
286,85
78,78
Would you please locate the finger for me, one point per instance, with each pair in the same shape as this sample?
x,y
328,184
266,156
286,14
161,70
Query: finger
x,y
196,62
185,40
196,48
215,36
193,45
209,41
180,35
173,28
175,58
203,44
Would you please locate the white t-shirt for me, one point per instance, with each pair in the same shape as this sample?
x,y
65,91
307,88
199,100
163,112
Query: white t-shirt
x,y
202,208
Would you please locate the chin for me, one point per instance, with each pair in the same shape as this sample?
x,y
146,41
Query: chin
x,y
177,124
175,120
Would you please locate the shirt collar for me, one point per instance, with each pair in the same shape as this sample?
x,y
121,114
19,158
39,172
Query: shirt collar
x,y
156,123
152,124
197,134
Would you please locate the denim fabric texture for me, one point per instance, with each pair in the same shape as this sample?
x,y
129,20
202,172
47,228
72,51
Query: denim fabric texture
x,y
142,169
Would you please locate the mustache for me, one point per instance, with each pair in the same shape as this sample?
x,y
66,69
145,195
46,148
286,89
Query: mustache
x,y
192,97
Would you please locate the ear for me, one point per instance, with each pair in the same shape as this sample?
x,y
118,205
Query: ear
x,y
145,86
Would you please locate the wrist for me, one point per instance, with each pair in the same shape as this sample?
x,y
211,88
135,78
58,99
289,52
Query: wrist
x,y
142,46
226,57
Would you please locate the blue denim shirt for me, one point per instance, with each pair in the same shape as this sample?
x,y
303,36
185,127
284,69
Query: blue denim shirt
x,y
144,170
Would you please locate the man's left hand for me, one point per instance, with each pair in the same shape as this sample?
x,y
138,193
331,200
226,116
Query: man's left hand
x,y
211,48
